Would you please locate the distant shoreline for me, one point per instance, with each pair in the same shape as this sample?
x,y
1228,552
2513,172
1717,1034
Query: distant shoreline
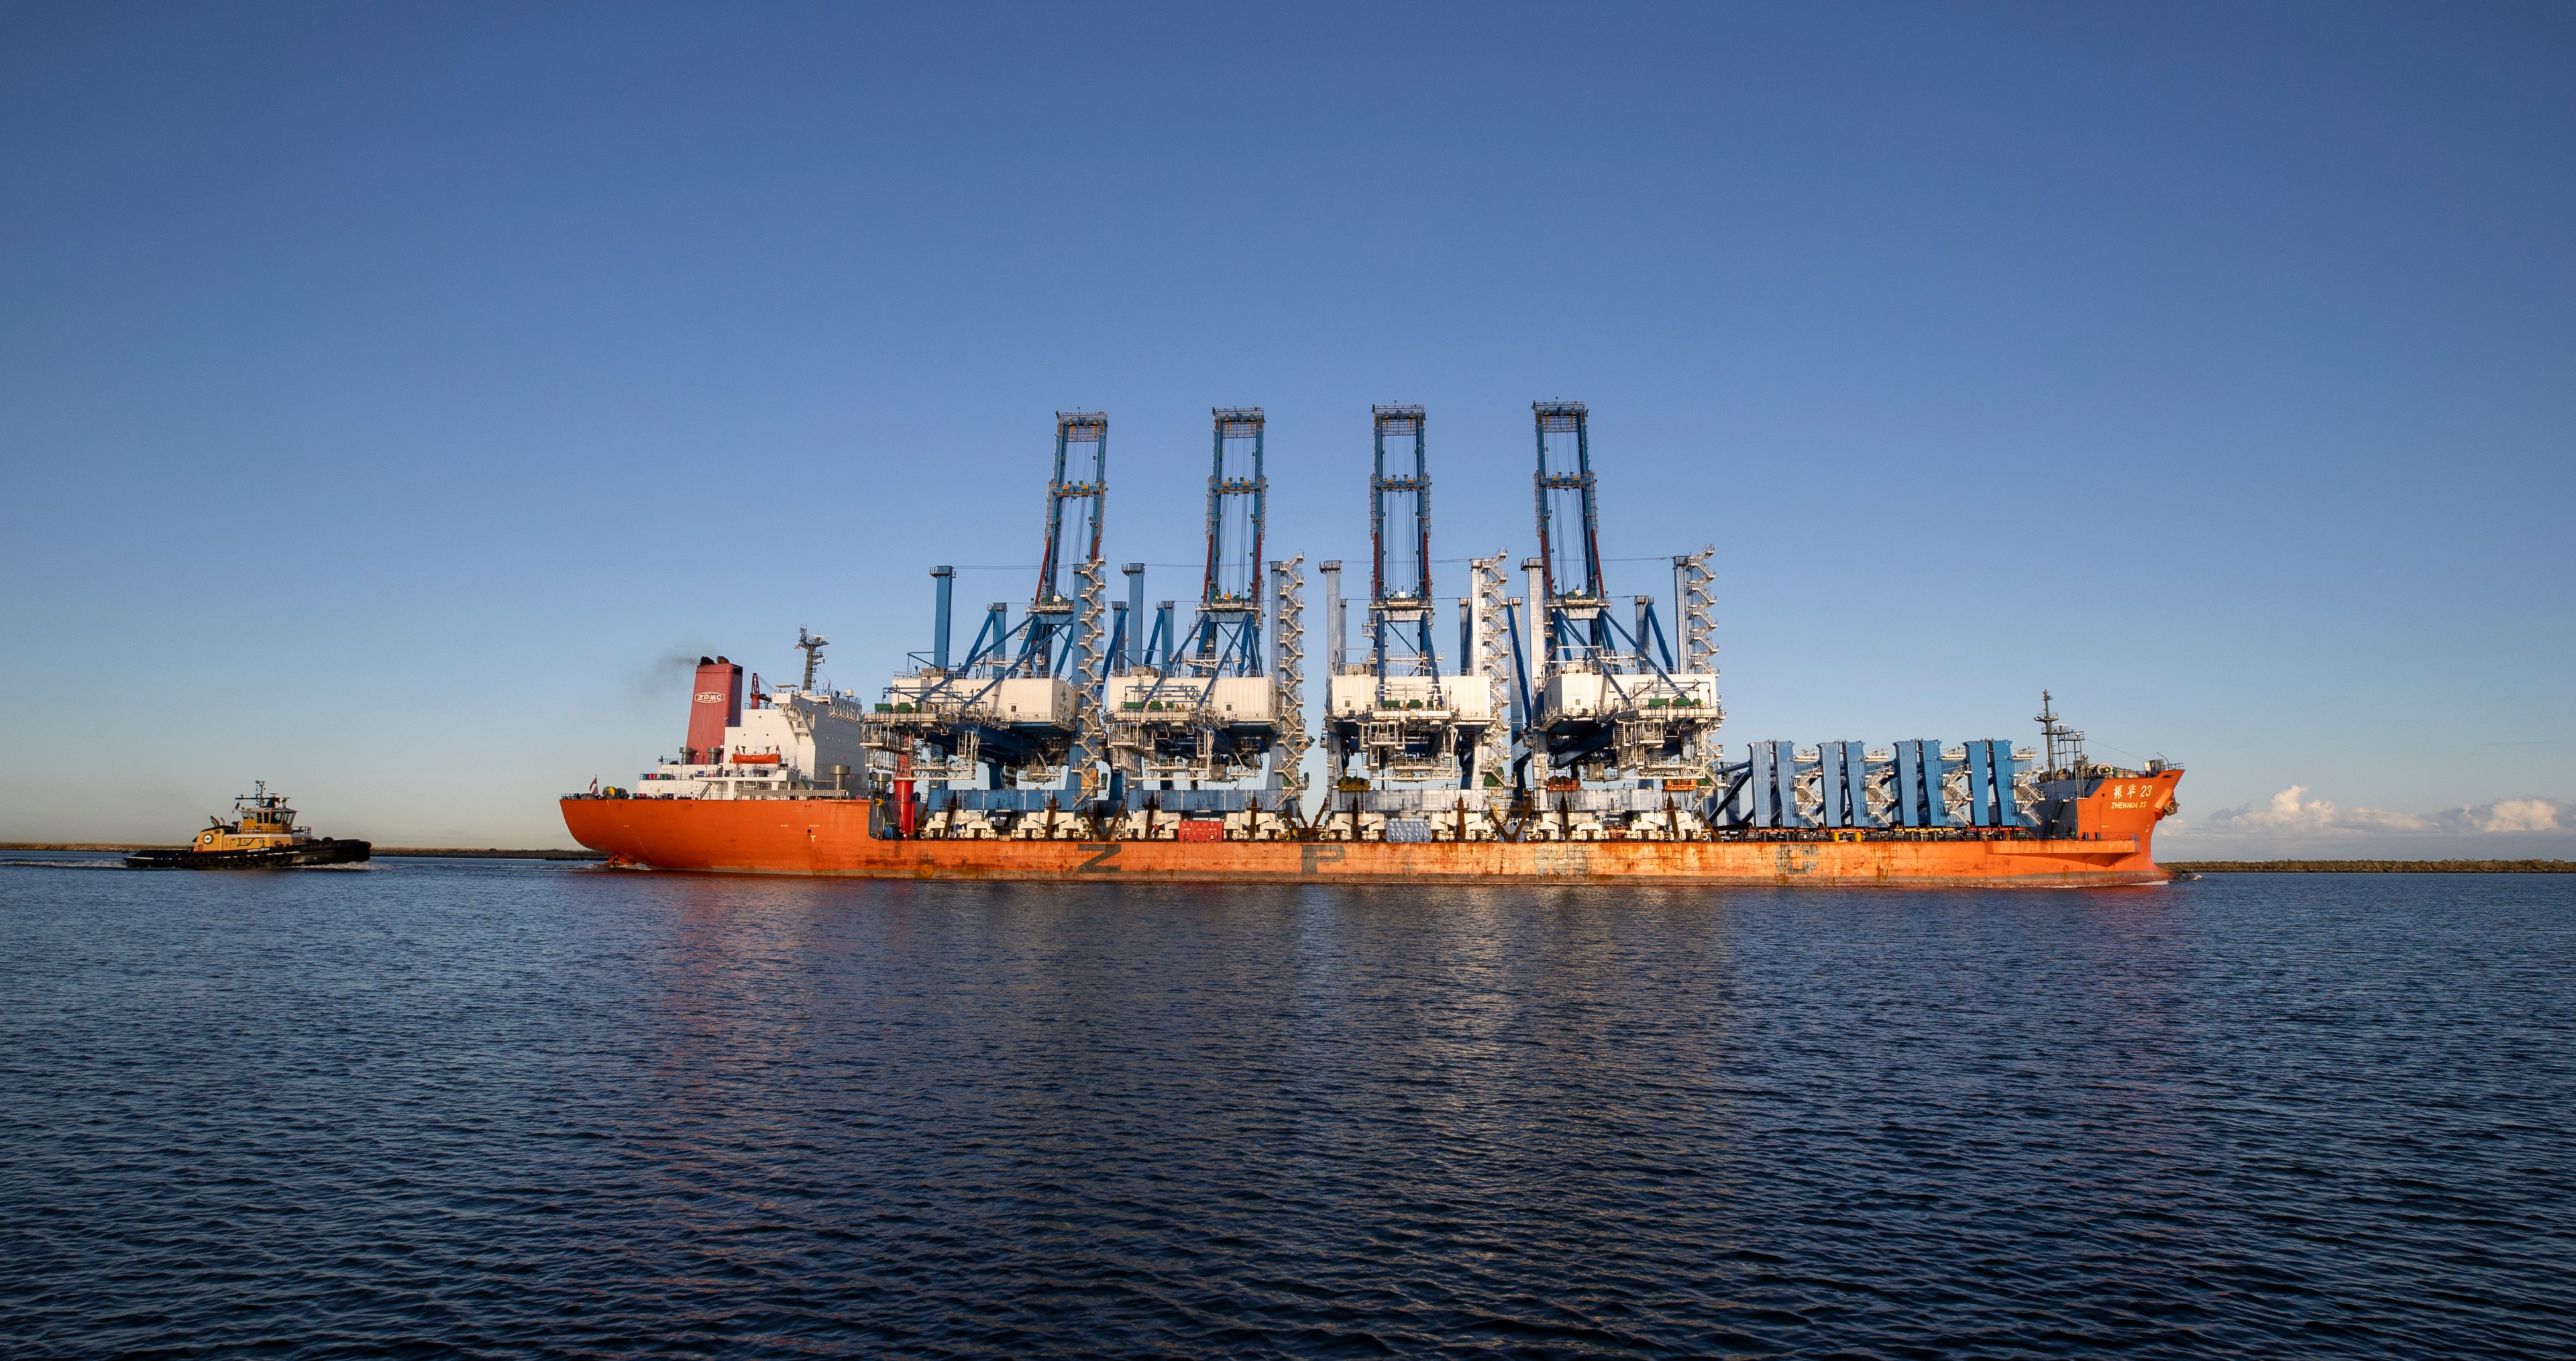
x,y
399,852
2373,866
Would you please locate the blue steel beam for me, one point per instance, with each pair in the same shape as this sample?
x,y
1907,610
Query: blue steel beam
x,y
1918,788
1160,645
942,579
1981,780
1830,811
1766,784
1520,673
1648,627
1936,792
2000,758
1788,794
1135,610
996,633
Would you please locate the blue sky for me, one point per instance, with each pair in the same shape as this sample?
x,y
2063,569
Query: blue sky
x,y
387,395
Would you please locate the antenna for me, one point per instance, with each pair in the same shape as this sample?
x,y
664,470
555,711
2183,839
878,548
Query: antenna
x,y
811,644
2062,741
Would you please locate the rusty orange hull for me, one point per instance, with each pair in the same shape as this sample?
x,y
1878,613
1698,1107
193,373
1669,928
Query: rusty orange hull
x,y
832,838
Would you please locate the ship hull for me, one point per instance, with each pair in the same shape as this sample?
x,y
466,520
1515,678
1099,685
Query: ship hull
x,y
831,838
329,851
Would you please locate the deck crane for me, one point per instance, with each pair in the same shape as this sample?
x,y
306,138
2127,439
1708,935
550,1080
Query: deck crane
x,y
1407,742
1393,714
1022,703
1604,701
1206,705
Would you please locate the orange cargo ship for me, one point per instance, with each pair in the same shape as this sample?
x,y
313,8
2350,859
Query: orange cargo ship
x,y
1570,738
2109,842
761,789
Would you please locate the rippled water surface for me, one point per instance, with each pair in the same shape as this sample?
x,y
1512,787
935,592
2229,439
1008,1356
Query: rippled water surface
x,y
489,1108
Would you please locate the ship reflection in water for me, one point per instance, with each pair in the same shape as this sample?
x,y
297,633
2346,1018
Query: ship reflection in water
x,y
479,1106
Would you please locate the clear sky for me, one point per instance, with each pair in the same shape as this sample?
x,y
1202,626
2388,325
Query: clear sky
x,y
388,395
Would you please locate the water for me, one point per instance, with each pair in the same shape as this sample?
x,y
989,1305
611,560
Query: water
x,y
495,1108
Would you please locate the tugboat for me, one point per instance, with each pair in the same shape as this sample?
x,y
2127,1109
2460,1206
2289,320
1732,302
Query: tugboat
x,y
261,836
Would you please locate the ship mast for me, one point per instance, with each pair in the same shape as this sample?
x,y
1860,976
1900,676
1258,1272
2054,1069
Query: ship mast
x,y
811,644
2060,740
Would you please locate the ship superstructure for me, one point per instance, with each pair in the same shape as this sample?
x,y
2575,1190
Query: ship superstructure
x,y
745,743
1570,736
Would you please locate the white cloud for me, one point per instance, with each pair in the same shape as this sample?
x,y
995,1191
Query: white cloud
x,y
2291,813
2520,815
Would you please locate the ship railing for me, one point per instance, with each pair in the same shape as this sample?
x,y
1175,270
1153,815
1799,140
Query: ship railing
x,y
1212,767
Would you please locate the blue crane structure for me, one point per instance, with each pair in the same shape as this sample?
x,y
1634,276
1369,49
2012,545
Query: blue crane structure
x,y
1227,638
1048,645
1601,700
1400,606
1089,712
1023,702
1569,525
1395,715
1204,705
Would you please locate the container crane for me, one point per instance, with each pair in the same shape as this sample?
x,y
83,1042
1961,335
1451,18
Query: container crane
x,y
1022,703
1394,717
1206,706
1603,701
